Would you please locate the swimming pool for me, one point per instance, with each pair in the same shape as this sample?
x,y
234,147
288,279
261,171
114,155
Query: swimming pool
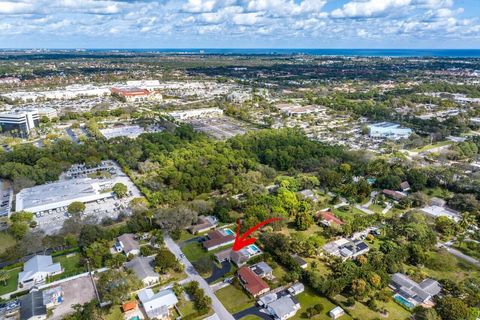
x,y
404,302
135,318
228,232
254,249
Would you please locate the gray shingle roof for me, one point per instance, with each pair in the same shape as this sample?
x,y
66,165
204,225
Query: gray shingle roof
x,y
142,267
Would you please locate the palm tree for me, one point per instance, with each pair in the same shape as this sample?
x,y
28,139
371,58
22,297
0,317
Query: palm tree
x,y
4,277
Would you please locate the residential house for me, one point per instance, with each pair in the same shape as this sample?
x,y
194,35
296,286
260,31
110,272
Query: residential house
x,y
204,224
223,255
346,248
328,219
296,288
395,195
434,201
143,269
412,292
157,306
263,270
302,263
37,270
284,308
336,312
241,256
129,306
405,186
32,307
251,282
309,194
127,244
218,238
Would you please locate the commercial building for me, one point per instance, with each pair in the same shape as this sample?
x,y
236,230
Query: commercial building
x,y
37,270
133,94
19,122
251,282
157,306
124,131
69,92
50,113
410,293
196,113
389,130
60,194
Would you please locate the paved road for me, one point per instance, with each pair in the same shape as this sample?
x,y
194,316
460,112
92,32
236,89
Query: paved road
x,y
193,274
459,254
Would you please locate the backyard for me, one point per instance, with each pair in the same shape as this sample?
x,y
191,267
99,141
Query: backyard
x,y
234,299
11,282
308,299
70,264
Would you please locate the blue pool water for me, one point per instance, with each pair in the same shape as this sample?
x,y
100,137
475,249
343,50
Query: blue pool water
x,y
135,318
229,232
407,304
254,248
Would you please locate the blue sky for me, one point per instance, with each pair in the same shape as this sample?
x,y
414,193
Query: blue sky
x,y
240,24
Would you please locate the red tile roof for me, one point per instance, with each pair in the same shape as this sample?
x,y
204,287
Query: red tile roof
x,y
329,217
131,91
130,305
252,283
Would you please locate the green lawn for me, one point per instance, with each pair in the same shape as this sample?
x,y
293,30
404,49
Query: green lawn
x,y
194,251
11,283
234,299
361,311
431,146
71,266
6,241
251,317
115,313
186,308
308,299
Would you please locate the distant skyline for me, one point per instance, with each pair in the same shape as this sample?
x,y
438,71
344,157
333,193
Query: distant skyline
x,y
397,24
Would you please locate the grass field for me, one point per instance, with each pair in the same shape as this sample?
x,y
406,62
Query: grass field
x,y
6,241
234,299
194,251
361,311
308,299
71,266
431,146
11,283
251,317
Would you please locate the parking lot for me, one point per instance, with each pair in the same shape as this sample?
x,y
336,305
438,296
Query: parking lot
x,y
219,128
77,291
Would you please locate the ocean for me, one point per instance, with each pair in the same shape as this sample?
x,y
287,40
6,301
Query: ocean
x,y
445,53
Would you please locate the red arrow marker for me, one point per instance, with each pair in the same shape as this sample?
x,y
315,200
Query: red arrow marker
x,y
241,242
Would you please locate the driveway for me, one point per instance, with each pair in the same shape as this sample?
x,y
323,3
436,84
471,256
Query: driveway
x,y
217,272
252,311
192,274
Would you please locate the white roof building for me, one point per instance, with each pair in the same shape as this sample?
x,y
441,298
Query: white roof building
x,y
437,211
284,308
196,113
389,130
61,194
37,269
157,305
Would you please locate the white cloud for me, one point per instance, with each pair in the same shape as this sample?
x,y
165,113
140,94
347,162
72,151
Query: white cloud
x,y
369,8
